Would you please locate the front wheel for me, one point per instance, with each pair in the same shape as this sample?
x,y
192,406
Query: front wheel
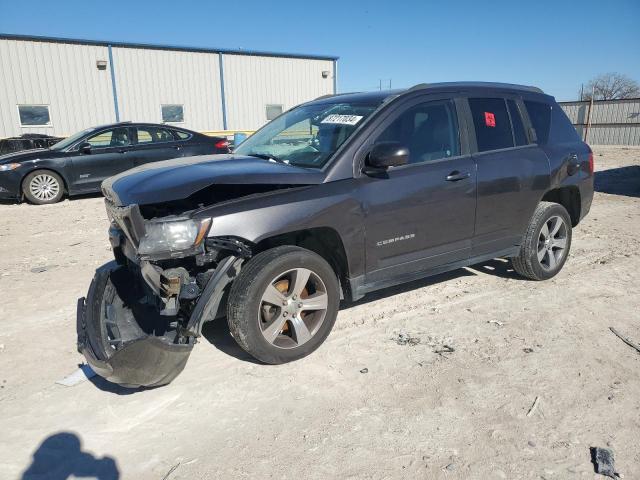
x,y
43,187
546,243
283,304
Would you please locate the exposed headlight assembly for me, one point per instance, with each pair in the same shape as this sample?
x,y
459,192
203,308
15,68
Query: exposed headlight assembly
x,y
173,236
8,167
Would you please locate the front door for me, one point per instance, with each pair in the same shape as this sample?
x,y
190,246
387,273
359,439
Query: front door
x,y
109,155
421,215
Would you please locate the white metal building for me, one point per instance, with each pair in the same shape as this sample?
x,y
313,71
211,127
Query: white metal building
x,y
58,86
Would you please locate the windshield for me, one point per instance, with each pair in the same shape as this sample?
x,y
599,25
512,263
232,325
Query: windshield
x,y
308,135
70,140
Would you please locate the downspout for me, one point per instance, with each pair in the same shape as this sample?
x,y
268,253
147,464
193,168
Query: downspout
x,y
113,83
335,77
222,96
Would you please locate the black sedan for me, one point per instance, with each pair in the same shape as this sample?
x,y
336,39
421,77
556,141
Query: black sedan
x,y
79,163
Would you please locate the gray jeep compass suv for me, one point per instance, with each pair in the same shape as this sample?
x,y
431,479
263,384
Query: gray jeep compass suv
x,y
333,199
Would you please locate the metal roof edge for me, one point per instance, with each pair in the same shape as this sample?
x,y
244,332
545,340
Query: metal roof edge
x,y
151,46
632,99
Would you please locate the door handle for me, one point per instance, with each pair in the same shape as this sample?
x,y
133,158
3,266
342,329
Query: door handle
x,y
177,147
123,151
456,176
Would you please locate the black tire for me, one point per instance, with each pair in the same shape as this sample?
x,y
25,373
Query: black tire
x,y
528,263
52,195
245,303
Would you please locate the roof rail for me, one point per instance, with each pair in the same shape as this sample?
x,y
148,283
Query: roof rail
x,y
333,95
508,86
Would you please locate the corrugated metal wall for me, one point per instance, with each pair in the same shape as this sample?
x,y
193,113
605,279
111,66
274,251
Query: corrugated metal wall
x,y
613,122
60,75
64,76
147,79
252,83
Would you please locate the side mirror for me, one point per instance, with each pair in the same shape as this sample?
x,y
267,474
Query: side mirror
x,y
85,147
387,154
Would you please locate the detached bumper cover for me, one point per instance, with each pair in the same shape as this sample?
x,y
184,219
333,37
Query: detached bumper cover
x,y
144,360
113,342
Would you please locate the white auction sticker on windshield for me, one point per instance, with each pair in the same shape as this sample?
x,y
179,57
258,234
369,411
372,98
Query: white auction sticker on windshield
x,y
342,119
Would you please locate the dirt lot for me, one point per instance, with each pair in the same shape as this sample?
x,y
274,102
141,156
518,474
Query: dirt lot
x,y
415,413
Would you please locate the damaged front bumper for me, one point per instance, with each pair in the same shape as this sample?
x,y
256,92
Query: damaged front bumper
x,y
123,335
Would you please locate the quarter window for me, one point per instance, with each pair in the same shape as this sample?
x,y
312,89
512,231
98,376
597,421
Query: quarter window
x,y
116,137
519,134
173,113
430,130
34,115
182,135
154,135
492,125
273,111
540,115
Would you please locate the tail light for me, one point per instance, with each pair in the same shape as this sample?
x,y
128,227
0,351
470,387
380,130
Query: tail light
x,y
591,166
222,145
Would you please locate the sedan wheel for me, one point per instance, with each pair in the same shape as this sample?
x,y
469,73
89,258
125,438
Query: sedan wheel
x,y
42,187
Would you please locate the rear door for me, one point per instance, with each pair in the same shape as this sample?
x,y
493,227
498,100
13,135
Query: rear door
x,y
421,215
110,154
513,173
153,144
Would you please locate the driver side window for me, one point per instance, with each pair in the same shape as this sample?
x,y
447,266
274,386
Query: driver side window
x,y
429,130
116,137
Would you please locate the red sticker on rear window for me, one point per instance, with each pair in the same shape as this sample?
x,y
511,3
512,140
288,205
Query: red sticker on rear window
x,y
489,119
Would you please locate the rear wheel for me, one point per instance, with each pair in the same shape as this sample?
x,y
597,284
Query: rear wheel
x,y
43,187
546,243
283,304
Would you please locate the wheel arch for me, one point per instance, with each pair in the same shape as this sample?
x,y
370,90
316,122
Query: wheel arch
x,y
65,182
325,241
569,197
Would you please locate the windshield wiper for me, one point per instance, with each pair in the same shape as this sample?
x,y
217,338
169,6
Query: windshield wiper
x,y
269,157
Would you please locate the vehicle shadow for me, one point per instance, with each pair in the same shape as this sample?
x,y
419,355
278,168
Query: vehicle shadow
x,y
60,457
109,387
619,181
217,331
217,334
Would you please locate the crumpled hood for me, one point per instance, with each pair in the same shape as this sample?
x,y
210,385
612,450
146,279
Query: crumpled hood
x,y
26,155
181,177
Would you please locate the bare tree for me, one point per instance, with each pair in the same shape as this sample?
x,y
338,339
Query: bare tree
x,y
611,86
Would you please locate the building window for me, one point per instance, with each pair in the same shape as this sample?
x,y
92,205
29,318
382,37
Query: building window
x,y
34,115
173,113
273,111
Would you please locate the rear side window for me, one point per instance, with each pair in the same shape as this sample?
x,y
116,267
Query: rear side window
x,y
182,135
540,115
561,129
492,125
154,135
516,122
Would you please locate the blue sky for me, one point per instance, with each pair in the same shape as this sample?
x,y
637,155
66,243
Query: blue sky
x,y
555,45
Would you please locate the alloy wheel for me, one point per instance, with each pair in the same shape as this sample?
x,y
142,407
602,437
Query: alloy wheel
x,y
44,187
552,243
293,308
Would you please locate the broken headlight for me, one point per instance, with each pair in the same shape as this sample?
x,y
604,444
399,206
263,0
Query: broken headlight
x,y
173,236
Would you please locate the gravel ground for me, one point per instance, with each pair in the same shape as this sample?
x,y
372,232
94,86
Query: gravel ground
x,y
429,380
